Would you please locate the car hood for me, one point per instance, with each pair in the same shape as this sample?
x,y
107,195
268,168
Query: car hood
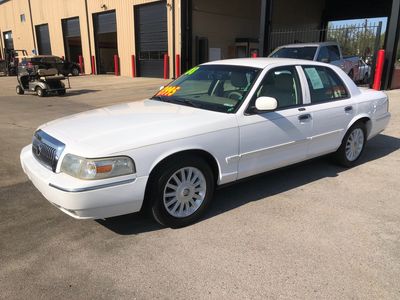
x,y
132,125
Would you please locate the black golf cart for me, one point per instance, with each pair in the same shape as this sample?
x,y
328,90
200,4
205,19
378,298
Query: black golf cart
x,y
40,81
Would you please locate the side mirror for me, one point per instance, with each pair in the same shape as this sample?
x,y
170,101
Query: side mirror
x,y
266,104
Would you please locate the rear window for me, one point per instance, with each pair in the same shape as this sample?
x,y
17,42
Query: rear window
x,y
325,84
307,53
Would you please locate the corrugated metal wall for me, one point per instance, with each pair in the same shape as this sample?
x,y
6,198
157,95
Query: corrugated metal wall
x,y
52,11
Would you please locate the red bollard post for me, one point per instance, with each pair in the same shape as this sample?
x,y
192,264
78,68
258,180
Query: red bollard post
x,y
166,69
62,57
178,65
380,61
93,65
133,66
116,65
254,54
80,59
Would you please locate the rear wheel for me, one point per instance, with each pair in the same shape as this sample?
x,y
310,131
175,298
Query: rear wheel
x,y
181,190
40,92
352,146
19,90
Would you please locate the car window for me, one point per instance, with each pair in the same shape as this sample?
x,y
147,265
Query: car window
x,y
214,87
296,52
323,54
282,84
58,60
334,53
325,84
48,59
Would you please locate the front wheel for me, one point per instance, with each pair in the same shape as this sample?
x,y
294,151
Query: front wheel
x,y
40,92
352,146
181,190
19,90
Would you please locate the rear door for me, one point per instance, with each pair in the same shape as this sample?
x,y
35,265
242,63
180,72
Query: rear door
x,y
331,109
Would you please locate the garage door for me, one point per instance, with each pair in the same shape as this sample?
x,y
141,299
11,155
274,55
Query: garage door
x,y
71,27
8,40
72,39
105,30
43,39
151,38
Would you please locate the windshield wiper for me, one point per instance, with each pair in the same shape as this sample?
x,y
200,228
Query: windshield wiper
x,y
187,102
159,98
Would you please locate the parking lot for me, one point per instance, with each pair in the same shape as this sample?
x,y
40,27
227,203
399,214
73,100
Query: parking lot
x,y
314,230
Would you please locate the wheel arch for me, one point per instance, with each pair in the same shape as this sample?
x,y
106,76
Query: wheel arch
x,y
207,156
364,118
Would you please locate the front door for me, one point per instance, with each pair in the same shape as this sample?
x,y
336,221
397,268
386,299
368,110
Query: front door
x,y
274,139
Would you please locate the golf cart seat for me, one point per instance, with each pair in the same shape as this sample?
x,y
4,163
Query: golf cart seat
x,y
48,74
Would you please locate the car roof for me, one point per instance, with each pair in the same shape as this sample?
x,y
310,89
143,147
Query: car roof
x,y
297,45
263,62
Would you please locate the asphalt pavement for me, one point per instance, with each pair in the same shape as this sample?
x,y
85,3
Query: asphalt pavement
x,y
312,231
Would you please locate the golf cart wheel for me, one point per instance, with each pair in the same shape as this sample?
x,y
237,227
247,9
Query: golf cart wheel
x,y
61,92
19,90
75,72
40,92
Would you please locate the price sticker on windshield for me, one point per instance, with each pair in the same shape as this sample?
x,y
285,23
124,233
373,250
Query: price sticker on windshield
x,y
168,91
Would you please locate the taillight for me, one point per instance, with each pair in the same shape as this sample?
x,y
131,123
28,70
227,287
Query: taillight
x,y
29,65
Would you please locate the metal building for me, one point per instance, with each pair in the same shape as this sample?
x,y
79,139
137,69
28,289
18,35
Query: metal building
x,y
140,32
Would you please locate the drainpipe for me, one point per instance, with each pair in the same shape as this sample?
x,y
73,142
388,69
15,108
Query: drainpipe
x,y
88,34
32,28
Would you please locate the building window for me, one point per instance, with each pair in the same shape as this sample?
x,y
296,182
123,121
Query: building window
x,y
22,17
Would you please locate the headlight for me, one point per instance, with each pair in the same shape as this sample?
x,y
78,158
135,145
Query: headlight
x,y
88,169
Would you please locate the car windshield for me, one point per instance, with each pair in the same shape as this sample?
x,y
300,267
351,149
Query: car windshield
x,y
307,53
214,87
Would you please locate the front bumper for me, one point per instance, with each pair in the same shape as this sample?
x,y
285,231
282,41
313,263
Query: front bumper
x,y
85,199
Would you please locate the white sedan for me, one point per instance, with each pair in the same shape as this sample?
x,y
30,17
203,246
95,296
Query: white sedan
x,y
218,123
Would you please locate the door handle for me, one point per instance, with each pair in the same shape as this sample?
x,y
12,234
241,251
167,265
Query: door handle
x,y
304,117
348,109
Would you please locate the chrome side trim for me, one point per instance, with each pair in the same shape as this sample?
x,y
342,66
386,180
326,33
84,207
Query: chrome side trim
x,y
92,188
325,134
243,155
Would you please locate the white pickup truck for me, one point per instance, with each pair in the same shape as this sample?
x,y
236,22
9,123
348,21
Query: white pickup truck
x,y
327,52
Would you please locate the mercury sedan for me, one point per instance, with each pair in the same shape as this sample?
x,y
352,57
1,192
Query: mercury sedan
x,y
218,123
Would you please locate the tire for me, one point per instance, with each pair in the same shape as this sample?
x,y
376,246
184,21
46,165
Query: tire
x,y
40,92
185,204
19,90
75,72
352,146
61,92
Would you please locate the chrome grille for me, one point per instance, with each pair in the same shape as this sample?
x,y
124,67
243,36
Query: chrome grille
x,y
46,149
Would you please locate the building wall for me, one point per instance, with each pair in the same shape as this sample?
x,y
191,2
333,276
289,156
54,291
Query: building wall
x,y
223,22
10,12
294,14
53,11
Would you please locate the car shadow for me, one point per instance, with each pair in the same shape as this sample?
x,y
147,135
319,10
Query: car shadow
x,y
71,93
260,187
